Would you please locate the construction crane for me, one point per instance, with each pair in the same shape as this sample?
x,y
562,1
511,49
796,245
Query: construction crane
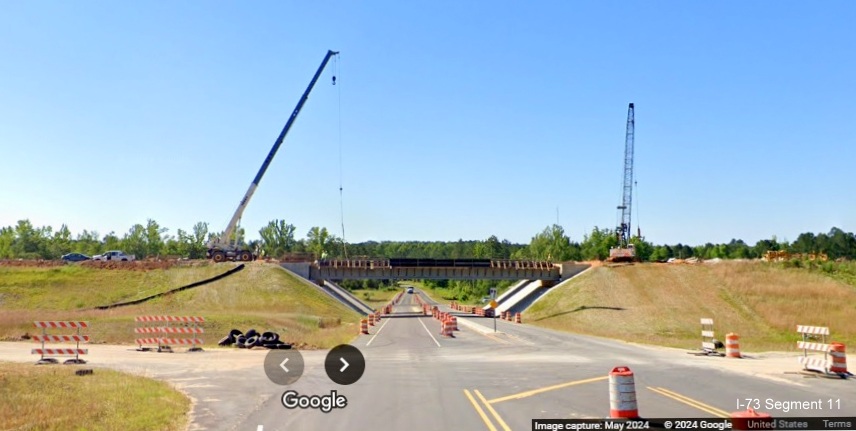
x,y
225,247
625,252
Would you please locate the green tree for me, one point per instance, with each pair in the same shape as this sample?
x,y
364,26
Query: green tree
x,y
596,245
277,238
318,241
154,238
134,242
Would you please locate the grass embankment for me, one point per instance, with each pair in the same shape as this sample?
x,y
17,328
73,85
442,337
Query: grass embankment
x,y
262,296
376,298
662,304
104,400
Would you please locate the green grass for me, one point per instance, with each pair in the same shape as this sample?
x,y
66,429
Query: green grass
x,y
104,400
662,304
262,296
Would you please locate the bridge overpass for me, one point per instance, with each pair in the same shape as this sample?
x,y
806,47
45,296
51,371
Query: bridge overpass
x,y
432,269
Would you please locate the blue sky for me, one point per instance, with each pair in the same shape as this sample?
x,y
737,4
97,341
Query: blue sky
x,y
454,119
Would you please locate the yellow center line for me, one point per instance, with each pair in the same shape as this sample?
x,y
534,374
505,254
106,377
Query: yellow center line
x,y
691,402
546,389
479,411
492,411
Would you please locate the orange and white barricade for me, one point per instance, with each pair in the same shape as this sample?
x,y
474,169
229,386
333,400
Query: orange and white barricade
x,y
814,340
839,359
732,345
517,318
47,353
622,394
708,342
834,359
164,332
364,326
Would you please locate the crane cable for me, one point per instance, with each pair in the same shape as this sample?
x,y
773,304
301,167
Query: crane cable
x,y
341,196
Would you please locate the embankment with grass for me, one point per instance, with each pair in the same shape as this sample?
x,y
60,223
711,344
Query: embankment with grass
x,y
662,304
262,296
103,400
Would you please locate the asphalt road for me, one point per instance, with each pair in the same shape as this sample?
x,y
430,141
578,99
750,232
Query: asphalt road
x,y
415,379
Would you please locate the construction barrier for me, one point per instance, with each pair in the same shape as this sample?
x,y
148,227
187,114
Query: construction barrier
x,y
189,325
377,316
732,345
453,322
809,343
364,326
517,318
759,420
446,329
708,344
839,358
622,394
46,353
371,319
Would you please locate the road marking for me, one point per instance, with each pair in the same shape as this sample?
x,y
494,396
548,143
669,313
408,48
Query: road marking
x,y
378,331
545,389
260,428
429,332
479,411
492,411
691,402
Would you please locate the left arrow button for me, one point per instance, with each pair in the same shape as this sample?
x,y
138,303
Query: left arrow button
x,y
283,367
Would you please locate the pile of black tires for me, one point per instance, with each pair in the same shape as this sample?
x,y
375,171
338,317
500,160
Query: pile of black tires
x,y
268,340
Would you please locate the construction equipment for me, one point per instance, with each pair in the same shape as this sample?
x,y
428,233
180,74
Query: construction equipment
x,y
225,247
625,252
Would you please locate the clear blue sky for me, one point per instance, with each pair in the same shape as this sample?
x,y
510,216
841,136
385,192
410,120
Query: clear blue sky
x,y
458,119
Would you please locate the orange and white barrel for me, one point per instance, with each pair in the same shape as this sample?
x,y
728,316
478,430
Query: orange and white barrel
x,y
839,358
622,394
517,318
371,319
453,323
750,419
732,345
377,316
364,326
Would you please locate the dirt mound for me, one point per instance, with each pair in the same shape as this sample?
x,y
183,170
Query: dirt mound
x,y
142,265
35,263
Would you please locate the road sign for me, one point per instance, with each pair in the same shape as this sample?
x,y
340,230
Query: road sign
x,y
493,293
493,304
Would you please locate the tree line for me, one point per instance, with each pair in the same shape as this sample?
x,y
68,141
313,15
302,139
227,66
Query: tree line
x,y
278,238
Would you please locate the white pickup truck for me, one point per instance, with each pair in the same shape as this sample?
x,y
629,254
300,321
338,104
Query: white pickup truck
x,y
114,255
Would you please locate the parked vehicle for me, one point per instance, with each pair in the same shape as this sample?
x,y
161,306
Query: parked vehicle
x,y
114,255
75,257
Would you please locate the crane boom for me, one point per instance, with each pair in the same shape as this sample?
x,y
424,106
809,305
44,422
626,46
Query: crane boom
x,y
625,252
626,200
221,248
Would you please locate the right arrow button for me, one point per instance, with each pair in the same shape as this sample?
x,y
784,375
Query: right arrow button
x,y
345,364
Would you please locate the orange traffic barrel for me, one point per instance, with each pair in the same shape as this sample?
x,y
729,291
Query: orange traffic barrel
x,y
750,419
517,318
371,319
839,358
364,326
732,345
377,316
622,394
453,322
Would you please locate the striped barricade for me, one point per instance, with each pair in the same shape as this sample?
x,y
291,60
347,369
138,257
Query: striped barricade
x,y
708,342
814,341
47,354
164,334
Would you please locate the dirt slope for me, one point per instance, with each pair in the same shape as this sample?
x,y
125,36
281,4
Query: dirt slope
x,y
662,304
